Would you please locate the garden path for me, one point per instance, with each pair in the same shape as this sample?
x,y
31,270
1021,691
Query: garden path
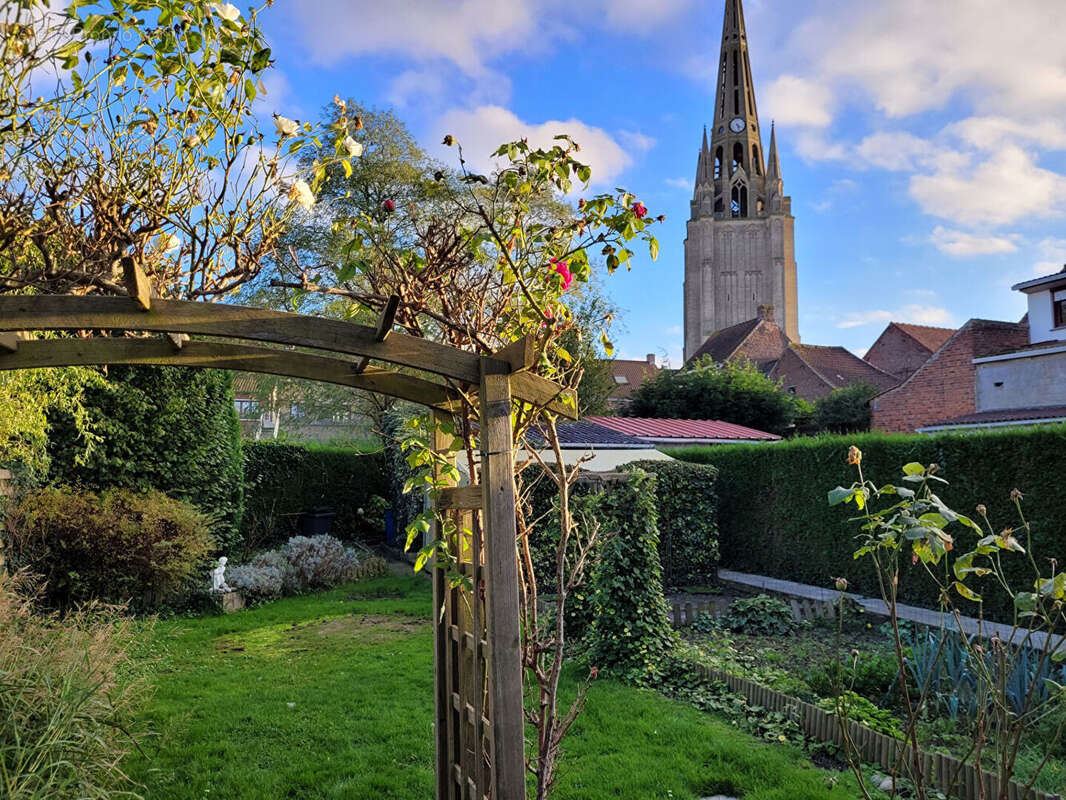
x,y
923,616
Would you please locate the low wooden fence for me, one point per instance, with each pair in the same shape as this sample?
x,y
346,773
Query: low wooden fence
x,y
684,612
949,775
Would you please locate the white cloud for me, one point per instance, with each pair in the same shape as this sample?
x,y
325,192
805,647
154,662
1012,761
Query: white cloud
x,y
792,100
893,150
412,84
636,141
913,313
639,15
986,133
481,130
679,183
1001,190
1053,252
961,244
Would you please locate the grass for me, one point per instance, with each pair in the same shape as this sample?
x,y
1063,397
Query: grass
x,y
331,696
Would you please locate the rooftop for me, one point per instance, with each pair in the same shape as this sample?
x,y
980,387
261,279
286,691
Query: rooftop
x,y
650,429
586,432
930,337
840,367
1003,417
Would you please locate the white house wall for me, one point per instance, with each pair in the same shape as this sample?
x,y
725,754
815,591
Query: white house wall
x,y
1028,382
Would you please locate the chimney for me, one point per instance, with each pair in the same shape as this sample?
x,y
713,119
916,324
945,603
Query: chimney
x,y
766,313
651,359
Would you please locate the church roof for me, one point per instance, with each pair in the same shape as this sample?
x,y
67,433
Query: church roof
x,y
758,339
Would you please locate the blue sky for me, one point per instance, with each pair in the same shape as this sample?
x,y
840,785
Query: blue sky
x,y
923,143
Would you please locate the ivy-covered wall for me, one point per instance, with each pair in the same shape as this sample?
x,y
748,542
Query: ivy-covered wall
x,y
775,519
165,428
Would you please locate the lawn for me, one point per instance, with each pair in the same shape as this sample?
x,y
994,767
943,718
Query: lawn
x,y
331,696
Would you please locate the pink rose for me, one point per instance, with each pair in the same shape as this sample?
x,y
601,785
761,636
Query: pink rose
x,y
639,209
560,268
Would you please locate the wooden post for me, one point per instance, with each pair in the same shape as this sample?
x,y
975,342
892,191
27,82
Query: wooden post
x,y
442,649
7,491
501,589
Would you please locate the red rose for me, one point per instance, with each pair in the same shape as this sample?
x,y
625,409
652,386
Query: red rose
x,y
639,210
389,206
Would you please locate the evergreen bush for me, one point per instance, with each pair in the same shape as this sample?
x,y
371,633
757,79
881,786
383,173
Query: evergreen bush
x,y
630,636
119,546
171,429
775,521
688,520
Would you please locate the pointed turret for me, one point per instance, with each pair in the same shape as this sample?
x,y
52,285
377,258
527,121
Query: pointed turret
x,y
773,164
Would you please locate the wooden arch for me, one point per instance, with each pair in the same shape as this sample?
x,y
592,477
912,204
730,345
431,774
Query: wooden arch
x,y
479,728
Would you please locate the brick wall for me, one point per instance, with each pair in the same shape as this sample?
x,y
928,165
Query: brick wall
x,y
897,353
944,386
795,372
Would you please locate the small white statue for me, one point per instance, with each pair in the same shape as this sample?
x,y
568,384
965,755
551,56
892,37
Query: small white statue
x,y
218,577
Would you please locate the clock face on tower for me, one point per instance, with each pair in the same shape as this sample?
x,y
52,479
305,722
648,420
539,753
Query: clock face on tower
x,y
736,125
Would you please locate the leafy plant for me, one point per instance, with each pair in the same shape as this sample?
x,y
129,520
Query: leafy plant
x,y
304,564
119,546
1002,683
870,675
761,615
68,718
854,707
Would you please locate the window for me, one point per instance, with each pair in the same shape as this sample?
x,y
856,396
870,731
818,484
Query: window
x,y
1058,307
718,163
738,157
621,380
756,162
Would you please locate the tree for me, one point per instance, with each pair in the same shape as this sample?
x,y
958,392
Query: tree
x,y
143,144
846,410
482,262
736,391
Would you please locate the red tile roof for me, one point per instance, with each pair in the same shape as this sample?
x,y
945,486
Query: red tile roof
x,y
840,367
929,337
708,429
1004,415
758,339
634,372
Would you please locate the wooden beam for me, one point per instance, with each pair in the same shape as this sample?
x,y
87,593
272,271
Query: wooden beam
x,y
543,392
57,312
501,586
177,340
137,285
220,355
520,354
385,321
460,497
65,313
9,342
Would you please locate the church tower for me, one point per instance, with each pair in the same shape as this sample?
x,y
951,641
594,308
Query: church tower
x,y
739,251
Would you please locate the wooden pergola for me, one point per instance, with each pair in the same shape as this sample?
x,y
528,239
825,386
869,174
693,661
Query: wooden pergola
x,y
479,730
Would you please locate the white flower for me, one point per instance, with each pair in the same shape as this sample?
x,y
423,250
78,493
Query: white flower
x,y
169,243
302,194
286,126
354,148
227,11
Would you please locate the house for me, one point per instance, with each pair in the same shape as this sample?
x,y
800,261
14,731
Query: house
x,y
805,370
267,414
600,448
944,387
683,432
902,348
628,376
1022,381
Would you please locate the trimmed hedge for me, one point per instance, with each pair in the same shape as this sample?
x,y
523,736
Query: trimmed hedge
x,y
688,519
685,506
775,519
284,480
170,429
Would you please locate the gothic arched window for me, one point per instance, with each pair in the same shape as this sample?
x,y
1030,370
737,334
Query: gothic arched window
x,y
738,157
756,162
718,163
739,202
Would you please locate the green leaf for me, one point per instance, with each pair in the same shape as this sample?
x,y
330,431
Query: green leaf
x,y
913,468
249,89
966,592
839,495
653,248
260,60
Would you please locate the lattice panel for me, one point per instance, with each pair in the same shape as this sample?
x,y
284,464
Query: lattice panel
x,y
464,699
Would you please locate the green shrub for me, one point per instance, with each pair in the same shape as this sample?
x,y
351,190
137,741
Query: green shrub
x,y
630,636
872,676
775,521
688,519
66,720
859,709
117,546
171,429
283,480
761,615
